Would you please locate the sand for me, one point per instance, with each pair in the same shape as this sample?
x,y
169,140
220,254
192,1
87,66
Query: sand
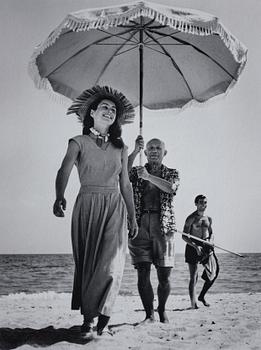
x,y
233,321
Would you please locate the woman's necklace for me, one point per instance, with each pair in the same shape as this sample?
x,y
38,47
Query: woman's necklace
x,y
99,137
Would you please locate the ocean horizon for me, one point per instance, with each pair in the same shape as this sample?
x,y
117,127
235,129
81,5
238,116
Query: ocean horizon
x,y
37,273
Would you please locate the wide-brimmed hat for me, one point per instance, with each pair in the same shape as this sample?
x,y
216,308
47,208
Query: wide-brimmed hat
x,y
81,105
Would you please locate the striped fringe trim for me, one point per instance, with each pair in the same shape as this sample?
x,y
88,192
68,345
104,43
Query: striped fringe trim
x,y
238,50
43,83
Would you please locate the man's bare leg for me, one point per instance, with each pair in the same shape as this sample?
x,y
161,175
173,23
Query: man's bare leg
x,y
203,300
163,291
206,287
193,271
145,290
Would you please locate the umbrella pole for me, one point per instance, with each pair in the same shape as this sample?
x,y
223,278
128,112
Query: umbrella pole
x,y
141,82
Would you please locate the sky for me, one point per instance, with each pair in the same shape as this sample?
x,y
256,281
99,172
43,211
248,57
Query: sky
x,y
216,147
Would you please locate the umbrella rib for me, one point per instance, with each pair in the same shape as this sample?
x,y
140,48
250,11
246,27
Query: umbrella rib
x,y
158,51
149,41
158,27
146,25
173,62
115,44
197,49
83,49
128,26
132,48
111,58
137,25
118,35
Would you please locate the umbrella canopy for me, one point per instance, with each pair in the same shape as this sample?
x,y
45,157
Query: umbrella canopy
x,y
159,57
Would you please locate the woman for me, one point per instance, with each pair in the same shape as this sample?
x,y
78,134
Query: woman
x,y
99,219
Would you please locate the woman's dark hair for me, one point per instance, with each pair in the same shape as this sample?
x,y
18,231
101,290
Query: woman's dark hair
x,y
114,130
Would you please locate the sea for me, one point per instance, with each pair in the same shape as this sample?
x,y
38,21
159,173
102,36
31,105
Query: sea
x,y
38,273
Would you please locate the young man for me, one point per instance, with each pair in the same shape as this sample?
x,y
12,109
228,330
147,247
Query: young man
x,y
200,225
154,187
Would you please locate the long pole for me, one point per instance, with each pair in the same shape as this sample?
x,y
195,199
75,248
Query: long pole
x,y
208,243
141,80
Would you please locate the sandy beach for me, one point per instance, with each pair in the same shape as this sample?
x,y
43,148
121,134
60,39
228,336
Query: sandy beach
x,y
232,321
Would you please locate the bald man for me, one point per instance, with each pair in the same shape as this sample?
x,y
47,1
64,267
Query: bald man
x,y
154,187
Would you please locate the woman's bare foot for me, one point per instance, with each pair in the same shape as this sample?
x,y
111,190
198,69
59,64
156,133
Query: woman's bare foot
x,y
102,323
86,330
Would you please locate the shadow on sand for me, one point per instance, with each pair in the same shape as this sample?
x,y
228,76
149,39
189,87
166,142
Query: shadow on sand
x,y
184,309
13,338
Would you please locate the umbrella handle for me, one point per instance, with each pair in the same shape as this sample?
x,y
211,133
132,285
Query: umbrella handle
x,y
141,81
141,153
141,158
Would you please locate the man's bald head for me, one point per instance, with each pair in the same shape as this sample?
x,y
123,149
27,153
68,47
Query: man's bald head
x,y
157,141
155,150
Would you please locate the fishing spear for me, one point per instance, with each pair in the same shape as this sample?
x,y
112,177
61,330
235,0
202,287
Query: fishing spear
x,y
208,243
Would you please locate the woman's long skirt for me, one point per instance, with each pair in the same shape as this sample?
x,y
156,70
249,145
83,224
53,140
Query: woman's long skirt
x,y
99,241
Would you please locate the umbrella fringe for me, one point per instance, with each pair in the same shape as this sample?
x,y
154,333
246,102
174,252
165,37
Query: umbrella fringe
x,y
184,25
238,50
43,83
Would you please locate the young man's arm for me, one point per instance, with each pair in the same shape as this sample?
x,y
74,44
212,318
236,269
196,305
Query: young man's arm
x,y
210,230
187,229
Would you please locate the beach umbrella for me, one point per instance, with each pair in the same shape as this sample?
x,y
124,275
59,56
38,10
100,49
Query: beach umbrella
x,y
158,56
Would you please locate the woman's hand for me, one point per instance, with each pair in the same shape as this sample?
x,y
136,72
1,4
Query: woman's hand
x,y
133,228
59,206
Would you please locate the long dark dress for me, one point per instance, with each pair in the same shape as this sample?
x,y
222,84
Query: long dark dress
x,y
99,229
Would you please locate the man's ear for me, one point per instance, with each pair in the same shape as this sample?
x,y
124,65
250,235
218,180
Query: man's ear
x,y
165,152
145,152
91,112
